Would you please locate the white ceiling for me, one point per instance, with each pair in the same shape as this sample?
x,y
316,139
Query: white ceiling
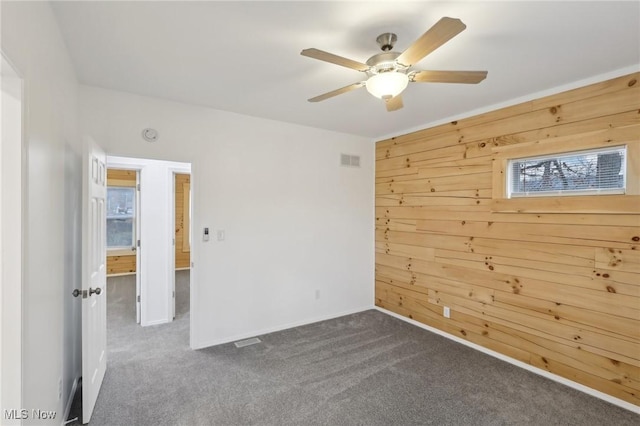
x,y
245,57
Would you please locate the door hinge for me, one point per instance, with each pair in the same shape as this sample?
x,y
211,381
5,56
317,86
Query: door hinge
x,y
138,243
138,298
174,294
173,242
138,187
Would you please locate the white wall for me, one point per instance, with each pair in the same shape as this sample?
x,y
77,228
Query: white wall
x,y
51,317
11,241
295,221
157,270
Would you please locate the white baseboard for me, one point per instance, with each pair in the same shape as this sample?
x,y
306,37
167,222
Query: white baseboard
x,y
215,342
528,367
72,394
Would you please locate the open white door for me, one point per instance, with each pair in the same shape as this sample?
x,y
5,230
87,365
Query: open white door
x,y
94,278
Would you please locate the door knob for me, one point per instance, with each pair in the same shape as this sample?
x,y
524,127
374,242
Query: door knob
x,y
76,293
97,291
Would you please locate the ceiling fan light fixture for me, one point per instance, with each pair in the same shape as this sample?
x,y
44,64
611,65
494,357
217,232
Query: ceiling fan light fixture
x,y
387,84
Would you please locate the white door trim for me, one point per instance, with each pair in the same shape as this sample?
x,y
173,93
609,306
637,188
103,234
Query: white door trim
x,y
173,171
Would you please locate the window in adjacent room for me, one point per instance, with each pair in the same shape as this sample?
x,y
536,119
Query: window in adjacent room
x,y
588,172
121,211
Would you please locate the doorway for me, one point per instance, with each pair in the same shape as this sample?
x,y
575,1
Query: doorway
x,y
161,243
182,243
123,229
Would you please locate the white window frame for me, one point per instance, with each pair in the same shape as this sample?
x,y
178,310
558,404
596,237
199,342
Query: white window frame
x,y
126,250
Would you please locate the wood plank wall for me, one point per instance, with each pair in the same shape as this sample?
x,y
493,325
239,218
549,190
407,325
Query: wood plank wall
x,y
556,286
124,264
181,213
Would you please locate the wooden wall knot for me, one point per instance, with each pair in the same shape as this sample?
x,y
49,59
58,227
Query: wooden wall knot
x,y
632,82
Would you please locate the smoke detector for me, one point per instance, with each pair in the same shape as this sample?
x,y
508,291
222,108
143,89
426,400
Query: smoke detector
x,y
150,135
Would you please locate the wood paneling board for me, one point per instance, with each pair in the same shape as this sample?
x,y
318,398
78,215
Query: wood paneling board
x,y
474,181
624,237
117,265
183,258
553,282
468,196
115,176
483,148
465,209
621,84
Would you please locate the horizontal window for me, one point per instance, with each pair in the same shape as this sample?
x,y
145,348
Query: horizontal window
x,y
589,172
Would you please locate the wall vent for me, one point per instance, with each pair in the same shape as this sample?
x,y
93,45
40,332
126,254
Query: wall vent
x,y
247,342
347,160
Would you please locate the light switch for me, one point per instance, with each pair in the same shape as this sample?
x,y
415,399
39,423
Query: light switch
x,y
205,234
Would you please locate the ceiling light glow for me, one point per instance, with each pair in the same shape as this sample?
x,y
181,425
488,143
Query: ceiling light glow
x,y
387,84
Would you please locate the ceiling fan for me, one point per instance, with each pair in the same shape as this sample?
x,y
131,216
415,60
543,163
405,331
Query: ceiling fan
x,y
389,73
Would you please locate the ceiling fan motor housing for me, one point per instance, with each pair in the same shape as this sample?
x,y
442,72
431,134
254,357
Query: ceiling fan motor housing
x,y
386,41
384,62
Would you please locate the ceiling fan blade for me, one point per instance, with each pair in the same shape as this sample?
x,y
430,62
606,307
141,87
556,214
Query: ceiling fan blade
x,y
467,77
443,31
334,59
337,92
394,104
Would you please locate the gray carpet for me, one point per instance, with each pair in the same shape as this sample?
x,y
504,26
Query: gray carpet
x,y
121,299
362,369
